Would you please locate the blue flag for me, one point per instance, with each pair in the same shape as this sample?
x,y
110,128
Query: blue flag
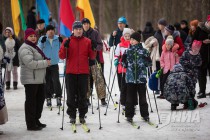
x,y
43,10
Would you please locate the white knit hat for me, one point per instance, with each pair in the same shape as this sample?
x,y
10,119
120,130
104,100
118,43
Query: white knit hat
x,y
126,31
170,40
10,29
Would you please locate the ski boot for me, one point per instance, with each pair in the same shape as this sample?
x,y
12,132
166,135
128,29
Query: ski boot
x,y
49,103
103,102
59,101
82,120
129,119
15,85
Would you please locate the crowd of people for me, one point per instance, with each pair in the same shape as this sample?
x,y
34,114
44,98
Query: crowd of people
x,y
179,54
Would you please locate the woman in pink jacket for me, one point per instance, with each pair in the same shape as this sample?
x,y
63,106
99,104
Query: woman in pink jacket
x,y
169,58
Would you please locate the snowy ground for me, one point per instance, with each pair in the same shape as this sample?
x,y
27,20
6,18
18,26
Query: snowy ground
x,y
180,124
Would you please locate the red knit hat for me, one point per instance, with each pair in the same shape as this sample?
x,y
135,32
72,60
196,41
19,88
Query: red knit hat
x,y
208,18
196,44
29,32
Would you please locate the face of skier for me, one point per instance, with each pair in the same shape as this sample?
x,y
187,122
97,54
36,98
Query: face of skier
x,y
41,26
127,36
50,33
86,26
121,26
133,41
78,32
32,38
183,26
192,28
7,33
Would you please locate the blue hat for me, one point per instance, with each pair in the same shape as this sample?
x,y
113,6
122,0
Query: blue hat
x,y
122,20
77,24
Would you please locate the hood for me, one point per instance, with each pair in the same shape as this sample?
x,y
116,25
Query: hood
x,y
177,68
124,43
175,34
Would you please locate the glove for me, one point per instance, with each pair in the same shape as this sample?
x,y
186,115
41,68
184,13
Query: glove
x,y
116,62
66,44
60,39
6,60
44,39
159,72
94,44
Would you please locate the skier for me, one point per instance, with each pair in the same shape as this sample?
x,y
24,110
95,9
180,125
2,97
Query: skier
x,y
136,59
78,50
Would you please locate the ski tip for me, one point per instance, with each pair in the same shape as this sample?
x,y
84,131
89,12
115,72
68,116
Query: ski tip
x,y
138,127
75,131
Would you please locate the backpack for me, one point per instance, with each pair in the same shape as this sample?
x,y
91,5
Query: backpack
x,y
153,82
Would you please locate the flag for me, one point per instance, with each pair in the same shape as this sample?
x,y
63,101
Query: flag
x,y
85,11
22,16
66,18
43,10
15,16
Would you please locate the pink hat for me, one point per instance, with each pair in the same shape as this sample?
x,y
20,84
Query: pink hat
x,y
10,29
29,32
196,44
208,18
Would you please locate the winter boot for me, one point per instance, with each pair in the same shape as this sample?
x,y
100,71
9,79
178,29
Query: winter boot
x,y
15,85
72,120
195,103
201,95
49,103
8,85
185,106
82,120
191,104
173,107
88,102
59,101
146,118
103,102
129,119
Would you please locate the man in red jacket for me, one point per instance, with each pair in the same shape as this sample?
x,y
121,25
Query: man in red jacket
x,y
78,53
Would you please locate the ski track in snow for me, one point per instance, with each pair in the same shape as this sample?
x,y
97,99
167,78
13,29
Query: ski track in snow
x,y
15,128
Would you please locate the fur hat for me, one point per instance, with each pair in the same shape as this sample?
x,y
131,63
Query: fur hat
x,y
126,31
85,20
170,40
150,41
136,36
77,24
10,29
49,27
162,21
29,32
170,29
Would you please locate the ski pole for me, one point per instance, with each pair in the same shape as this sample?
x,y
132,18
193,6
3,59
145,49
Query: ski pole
x,y
111,92
149,99
91,91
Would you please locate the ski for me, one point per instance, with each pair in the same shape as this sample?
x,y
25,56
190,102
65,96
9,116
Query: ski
x,y
50,108
74,129
134,125
150,123
85,128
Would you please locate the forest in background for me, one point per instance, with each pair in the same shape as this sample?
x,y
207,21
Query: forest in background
x,y
137,12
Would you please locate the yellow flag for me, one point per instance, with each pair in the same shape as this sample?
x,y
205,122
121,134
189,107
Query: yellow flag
x,y
15,16
85,11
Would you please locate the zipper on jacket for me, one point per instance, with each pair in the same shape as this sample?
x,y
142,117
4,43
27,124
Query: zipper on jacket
x,y
78,56
135,66
34,74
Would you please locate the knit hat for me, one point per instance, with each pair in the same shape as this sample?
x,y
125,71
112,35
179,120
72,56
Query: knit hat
x,y
10,29
170,40
170,29
122,20
85,20
77,24
49,27
184,22
162,21
126,31
40,21
136,36
208,18
196,44
29,32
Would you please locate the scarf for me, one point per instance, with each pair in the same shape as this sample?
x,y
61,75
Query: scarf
x,y
37,48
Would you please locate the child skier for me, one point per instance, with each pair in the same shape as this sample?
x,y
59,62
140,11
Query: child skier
x,y
136,59
119,51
